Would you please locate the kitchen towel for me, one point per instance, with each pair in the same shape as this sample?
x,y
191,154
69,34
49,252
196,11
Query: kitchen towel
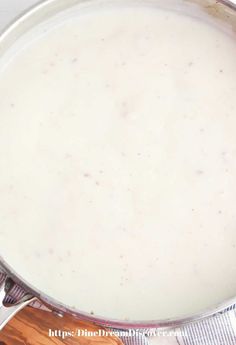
x,y
219,329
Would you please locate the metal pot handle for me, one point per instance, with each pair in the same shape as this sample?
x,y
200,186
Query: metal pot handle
x,y
7,312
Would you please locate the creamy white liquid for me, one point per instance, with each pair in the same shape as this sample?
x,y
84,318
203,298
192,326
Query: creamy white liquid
x,y
118,161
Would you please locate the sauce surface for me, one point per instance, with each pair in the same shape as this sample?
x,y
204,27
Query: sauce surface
x,y
118,161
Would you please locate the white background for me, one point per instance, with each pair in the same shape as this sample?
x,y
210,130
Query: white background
x,y
9,9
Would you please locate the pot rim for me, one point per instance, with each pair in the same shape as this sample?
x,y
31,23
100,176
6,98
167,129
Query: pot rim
x,y
59,307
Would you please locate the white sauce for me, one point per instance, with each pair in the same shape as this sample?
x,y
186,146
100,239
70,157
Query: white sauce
x,y
118,162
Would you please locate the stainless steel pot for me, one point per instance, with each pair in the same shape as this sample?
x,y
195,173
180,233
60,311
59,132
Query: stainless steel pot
x,y
222,9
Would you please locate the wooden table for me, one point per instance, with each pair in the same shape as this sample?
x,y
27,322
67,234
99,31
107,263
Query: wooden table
x,y
31,327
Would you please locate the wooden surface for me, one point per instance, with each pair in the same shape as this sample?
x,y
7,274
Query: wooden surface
x,y
31,327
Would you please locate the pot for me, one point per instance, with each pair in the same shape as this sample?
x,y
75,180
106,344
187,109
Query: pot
x,y
223,10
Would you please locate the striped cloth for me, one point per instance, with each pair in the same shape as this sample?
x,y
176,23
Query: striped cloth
x,y
219,329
